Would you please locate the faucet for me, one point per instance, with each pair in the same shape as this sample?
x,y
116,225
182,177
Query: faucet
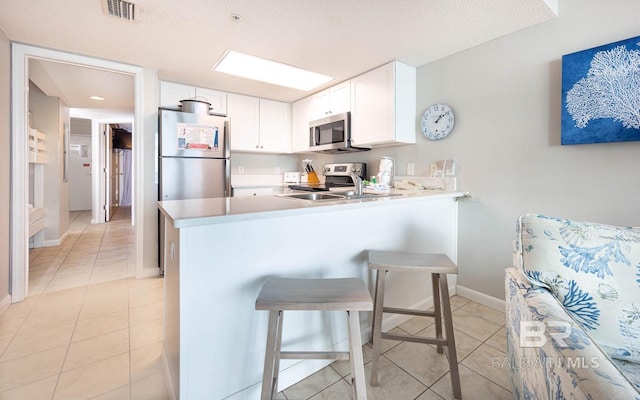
x,y
357,181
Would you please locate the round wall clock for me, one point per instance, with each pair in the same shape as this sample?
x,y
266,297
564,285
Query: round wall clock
x,y
437,121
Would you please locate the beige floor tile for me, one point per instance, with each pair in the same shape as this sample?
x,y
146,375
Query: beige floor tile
x,y
146,333
45,339
60,299
312,384
416,324
4,343
96,309
339,390
146,313
147,296
422,361
485,312
146,361
429,395
150,388
473,325
136,285
343,367
38,390
122,393
61,316
465,344
473,385
96,349
94,379
486,361
499,340
458,301
9,327
393,382
107,291
88,328
21,309
31,368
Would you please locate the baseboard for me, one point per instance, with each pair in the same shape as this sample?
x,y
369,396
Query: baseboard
x,y
171,391
5,303
481,298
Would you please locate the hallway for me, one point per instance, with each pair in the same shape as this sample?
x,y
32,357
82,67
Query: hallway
x,y
87,330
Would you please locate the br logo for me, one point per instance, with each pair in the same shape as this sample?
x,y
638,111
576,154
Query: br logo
x,y
534,333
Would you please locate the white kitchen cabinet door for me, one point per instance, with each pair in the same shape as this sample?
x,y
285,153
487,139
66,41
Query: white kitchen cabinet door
x,y
244,116
275,126
171,93
332,101
383,106
300,118
217,99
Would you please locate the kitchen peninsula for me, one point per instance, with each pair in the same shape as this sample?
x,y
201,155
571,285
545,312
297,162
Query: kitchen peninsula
x,y
219,252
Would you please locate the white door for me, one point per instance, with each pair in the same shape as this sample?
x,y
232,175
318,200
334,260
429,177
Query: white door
x,y
80,173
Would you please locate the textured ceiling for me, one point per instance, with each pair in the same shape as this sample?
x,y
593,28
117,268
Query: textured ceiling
x,y
184,39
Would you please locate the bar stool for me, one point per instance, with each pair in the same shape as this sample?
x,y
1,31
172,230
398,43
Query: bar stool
x,y
343,294
438,265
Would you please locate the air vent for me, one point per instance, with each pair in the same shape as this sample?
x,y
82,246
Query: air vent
x,y
120,9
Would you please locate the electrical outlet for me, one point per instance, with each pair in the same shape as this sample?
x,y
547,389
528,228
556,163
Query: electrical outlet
x,y
411,169
277,170
241,169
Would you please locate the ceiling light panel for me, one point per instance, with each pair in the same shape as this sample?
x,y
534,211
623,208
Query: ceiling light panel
x,y
260,69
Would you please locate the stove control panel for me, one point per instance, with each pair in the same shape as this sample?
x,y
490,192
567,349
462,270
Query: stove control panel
x,y
345,169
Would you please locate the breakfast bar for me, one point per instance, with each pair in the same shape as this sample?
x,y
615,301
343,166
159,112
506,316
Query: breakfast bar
x,y
220,251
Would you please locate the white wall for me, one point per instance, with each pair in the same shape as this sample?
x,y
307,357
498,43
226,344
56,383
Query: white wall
x,y
48,115
5,166
507,99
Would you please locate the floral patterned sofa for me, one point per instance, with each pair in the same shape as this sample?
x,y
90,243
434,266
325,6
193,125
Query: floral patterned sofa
x,y
573,310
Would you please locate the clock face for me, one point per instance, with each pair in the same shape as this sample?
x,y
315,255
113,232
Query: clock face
x,y
437,121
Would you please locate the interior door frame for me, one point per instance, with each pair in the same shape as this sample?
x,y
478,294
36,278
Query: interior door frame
x,y
19,224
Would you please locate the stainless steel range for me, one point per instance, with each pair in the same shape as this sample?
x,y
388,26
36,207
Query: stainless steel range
x,y
336,176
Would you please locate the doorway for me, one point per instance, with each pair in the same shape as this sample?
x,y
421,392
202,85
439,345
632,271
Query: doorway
x,y
143,80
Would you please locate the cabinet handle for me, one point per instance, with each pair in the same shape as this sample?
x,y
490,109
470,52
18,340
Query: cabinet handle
x,y
172,250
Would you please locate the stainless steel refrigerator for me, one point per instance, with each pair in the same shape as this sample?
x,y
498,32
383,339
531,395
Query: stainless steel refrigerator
x,y
193,159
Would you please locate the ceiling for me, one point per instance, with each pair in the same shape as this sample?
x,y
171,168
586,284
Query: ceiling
x,y
183,40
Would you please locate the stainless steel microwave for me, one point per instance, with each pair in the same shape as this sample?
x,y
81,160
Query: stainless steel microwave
x,y
332,135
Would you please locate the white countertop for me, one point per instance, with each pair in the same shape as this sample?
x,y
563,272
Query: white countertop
x,y
188,213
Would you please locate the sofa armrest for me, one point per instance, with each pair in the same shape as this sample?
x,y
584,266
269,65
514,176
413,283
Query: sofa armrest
x,y
559,359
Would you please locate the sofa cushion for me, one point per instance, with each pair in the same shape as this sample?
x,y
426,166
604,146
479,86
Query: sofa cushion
x,y
593,270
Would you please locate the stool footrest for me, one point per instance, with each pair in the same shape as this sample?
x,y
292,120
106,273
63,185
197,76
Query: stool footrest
x,y
407,311
415,339
314,355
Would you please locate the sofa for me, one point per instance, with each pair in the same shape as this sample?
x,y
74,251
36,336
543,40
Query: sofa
x,y
573,310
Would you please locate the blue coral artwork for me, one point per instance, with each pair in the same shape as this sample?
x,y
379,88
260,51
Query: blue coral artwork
x,y
601,94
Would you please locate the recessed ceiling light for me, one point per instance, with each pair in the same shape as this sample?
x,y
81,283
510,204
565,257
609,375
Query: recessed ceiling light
x,y
260,69
100,98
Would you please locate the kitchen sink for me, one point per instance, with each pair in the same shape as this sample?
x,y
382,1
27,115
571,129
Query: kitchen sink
x,y
314,196
350,195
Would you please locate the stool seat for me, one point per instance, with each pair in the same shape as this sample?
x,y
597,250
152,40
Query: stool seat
x,y
349,295
339,294
411,262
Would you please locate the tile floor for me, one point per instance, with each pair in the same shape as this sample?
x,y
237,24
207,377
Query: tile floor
x,y
89,331
417,371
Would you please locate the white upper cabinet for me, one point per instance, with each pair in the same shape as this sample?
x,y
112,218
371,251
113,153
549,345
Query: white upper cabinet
x,y
335,100
275,126
383,106
300,118
244,117
171,93
259,125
